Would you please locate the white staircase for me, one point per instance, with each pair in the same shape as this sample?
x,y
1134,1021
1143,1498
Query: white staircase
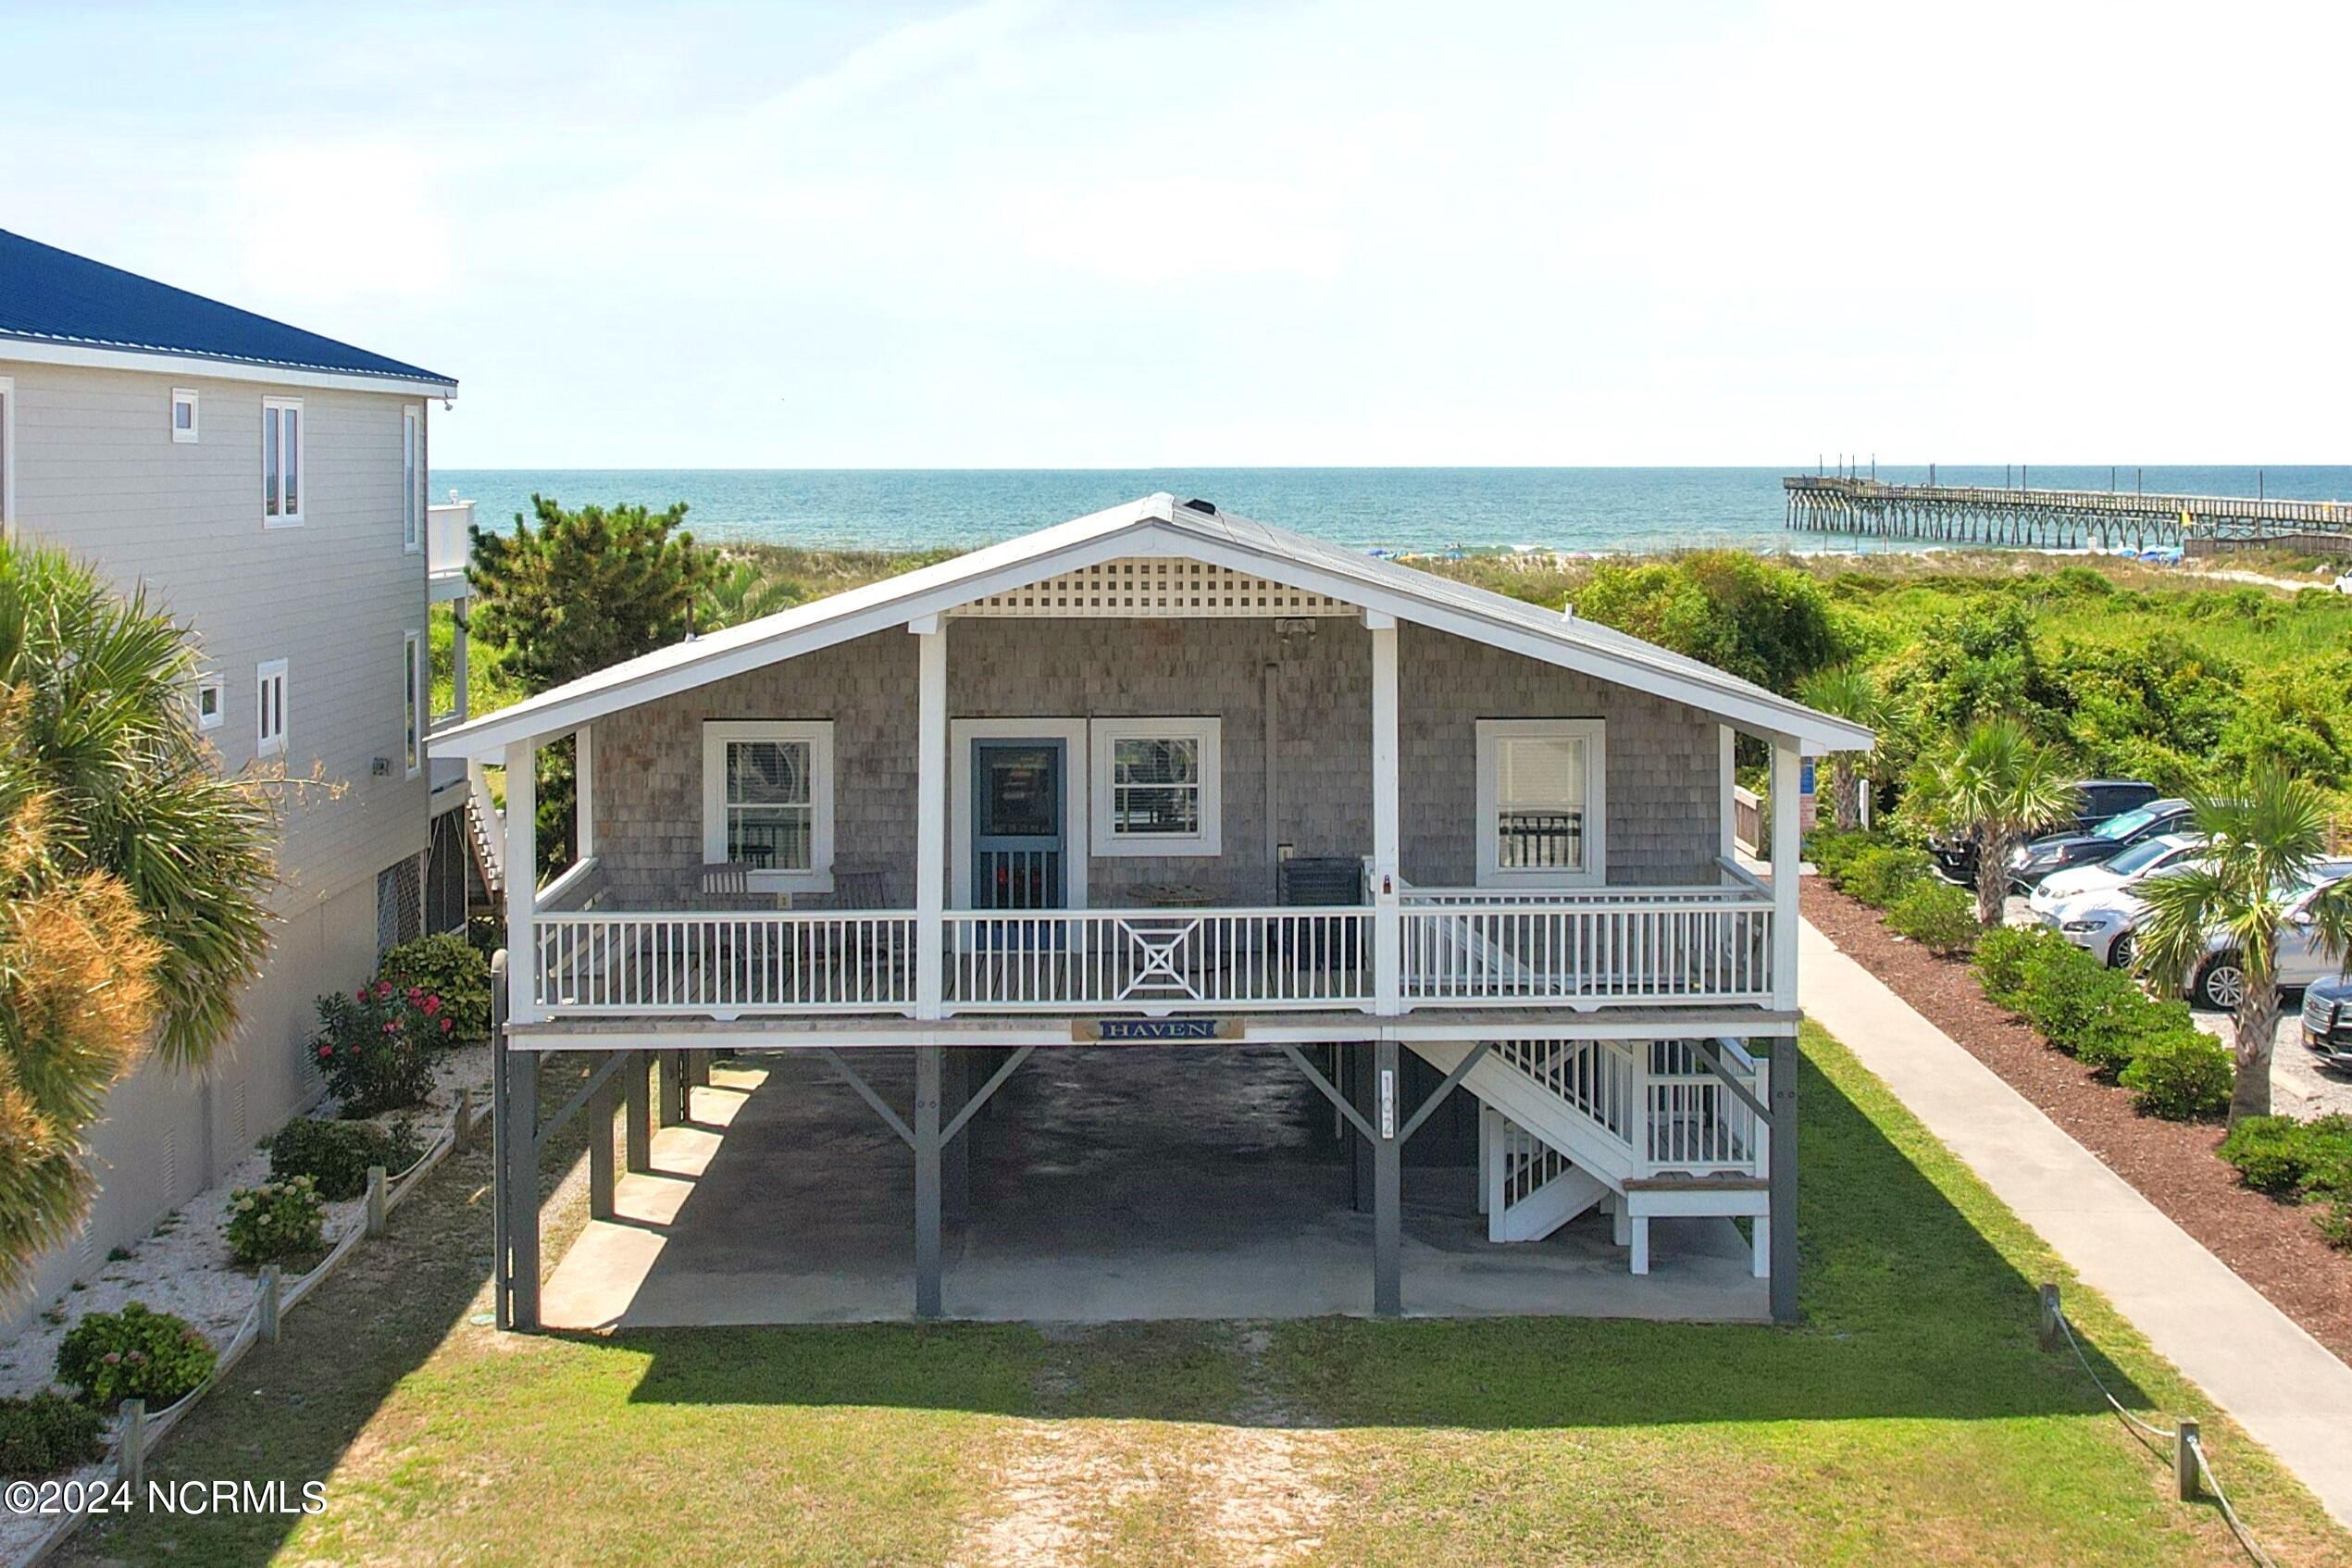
x,y
486,831
1640,1129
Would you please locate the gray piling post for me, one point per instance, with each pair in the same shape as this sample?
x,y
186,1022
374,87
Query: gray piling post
x,y
639,1114
1388,1184
600,1153
270,1287
2184,1476
926,1181
130,1459
376,1203
2051,1326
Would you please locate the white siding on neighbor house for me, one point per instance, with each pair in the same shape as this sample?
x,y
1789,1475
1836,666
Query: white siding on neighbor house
x,y
98,474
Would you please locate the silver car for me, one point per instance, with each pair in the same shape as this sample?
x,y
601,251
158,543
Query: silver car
x,y
2219,982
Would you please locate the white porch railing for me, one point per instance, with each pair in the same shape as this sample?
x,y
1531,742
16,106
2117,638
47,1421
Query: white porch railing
x,y
449,547
1573,949
1596,951
725,965
1158,961
1696,1122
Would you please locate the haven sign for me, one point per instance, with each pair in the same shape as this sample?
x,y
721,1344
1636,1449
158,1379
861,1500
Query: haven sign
x,y
1152,1031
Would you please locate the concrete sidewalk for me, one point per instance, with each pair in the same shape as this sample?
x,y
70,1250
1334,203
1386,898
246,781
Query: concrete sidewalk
x,y
2284,1387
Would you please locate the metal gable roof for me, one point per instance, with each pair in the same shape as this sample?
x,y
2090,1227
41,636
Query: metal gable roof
x,y
1156,525
54,296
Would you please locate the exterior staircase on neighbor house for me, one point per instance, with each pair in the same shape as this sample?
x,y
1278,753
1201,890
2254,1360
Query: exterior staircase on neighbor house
x,y
1639,1128
486,831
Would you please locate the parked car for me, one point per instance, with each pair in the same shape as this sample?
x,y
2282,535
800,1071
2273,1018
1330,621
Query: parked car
x,y
2327,1020
2058,852
2098,800
2220,980
2118,870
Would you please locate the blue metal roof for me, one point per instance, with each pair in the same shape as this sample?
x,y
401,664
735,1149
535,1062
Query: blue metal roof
x,y
49,295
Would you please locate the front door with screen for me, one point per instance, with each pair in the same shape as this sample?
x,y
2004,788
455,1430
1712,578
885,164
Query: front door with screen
x,y
1018,838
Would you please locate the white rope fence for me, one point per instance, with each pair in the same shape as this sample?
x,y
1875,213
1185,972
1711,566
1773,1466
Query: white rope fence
x,y
139,1431
2192,1473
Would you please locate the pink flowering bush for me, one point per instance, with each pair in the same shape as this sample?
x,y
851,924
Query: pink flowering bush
x,y
133,1354
375,1046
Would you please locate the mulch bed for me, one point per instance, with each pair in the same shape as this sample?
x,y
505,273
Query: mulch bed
x,y
2273,1246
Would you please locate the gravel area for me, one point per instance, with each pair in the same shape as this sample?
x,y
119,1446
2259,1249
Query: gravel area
x,y
183,1267
2273,1246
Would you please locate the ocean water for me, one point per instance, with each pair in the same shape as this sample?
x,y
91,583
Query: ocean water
x,y
1413,509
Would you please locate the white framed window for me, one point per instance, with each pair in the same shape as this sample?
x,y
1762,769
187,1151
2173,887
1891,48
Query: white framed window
x,y
184,415
1156,786
284,475
768,800
269,708
1540,802
211,701
413,678
411,480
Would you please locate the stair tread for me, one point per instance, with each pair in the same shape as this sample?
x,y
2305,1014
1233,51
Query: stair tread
x,y
1716,1183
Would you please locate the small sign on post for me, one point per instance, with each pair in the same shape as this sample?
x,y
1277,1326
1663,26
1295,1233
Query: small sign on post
x,y
1152,1031
1387,1103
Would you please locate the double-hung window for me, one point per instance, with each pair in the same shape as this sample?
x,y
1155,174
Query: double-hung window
x,y
413,678
1540,802
768,800
1156,787
412,478
269,708
282,474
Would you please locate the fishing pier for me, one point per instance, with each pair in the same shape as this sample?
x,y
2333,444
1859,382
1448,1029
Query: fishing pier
x,y
2060,519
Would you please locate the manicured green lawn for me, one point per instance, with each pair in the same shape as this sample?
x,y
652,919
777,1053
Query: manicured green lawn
x,y
1912,1419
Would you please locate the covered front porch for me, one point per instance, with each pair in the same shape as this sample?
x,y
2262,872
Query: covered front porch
x,y
1101,1185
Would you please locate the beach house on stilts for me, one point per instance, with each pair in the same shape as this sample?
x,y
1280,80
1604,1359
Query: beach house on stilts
x,y
1016,883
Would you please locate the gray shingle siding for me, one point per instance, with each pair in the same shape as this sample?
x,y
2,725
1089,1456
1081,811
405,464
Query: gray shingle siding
x,y
1662,756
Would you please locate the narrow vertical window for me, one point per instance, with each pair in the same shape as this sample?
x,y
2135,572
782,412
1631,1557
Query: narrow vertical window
x,y
282,477
411,480
184,415
269,708
411,661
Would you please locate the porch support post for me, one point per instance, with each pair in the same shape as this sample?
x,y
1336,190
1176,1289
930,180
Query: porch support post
x,y
930,815
461,611
519,1182
600,1152
638,1138
1388,926
522,881
1387,1186
926,1181
1782,1153
669,1086
583,796
955,1155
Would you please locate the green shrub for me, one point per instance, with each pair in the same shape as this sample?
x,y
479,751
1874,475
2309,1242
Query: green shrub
x,y
2001,954
1833,849
449,967
2179,1078
133,1354
2268,1152
1940,917
2069,996
375,1048
1882,874
45,1434
276,1220
2334,1220
335,1155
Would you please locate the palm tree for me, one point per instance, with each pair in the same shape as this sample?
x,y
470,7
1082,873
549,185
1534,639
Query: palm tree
x,y
111,802
737,591
1998,787
1846,692
2226,912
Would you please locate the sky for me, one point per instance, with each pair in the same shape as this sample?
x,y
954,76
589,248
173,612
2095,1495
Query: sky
x,y
1030,233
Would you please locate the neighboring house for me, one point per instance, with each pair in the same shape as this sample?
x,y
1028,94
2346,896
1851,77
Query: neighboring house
x,y
1162,773
267,486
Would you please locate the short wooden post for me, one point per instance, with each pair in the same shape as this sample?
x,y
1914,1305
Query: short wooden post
x,y
375,1205
131,1458
270,1287
461,1126
2184,1476
2052,1318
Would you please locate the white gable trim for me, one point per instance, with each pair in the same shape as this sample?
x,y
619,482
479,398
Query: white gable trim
x,y
1145,528
35,351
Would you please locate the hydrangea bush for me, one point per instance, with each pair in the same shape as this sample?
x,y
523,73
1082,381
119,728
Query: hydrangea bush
x,y
136,1353
275,1220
